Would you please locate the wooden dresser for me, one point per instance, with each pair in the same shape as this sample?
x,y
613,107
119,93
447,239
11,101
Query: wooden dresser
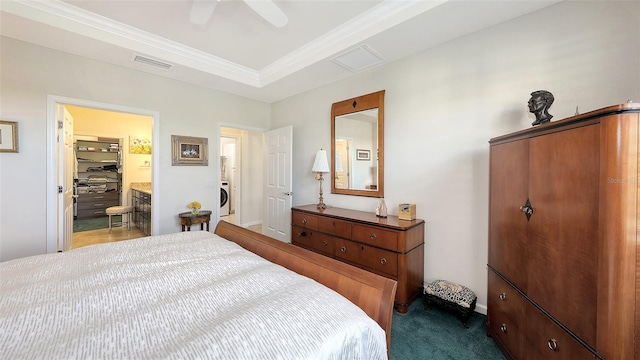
x,y
564,252
386,246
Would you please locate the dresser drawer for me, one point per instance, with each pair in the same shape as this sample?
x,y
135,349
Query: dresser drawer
x,y
506,315
368,257
98,204
91,213
379,260
546,340
335,227
304,220
98,197
313,240
387,239
348,251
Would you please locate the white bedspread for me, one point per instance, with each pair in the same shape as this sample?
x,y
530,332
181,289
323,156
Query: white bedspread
x,y
187,295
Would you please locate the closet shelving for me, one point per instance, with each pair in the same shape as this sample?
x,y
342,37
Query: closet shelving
x,y
98,175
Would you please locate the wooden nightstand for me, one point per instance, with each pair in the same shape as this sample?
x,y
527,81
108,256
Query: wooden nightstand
x,y
187,219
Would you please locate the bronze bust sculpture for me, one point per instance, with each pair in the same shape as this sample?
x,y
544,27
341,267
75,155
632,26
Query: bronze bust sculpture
x,y
539,105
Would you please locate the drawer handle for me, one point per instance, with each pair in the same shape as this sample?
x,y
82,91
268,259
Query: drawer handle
x,y
304,221
98,204
302,234
383,261
552,344
98,197
373,236
503,328
343,249
325,243
503,296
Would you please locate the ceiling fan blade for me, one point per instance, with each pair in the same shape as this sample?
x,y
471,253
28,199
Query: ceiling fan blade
x,y
269,11
201,11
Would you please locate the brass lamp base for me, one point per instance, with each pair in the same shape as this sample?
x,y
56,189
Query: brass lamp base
x,y
321,205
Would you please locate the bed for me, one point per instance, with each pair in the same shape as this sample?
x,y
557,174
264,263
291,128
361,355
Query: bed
x,y
193,295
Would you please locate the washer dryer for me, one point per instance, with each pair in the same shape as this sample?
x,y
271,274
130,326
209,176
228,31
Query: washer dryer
x,y
225,199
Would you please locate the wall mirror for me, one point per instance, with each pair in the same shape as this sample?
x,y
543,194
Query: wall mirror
x,y
357,146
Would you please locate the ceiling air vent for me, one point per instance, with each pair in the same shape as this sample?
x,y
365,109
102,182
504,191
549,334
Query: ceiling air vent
x,y
152,62
358,59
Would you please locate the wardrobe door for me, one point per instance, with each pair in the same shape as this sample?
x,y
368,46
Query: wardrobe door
x,y
507,228
563,229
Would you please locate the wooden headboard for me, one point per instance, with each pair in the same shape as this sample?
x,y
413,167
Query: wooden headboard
x,y
371,292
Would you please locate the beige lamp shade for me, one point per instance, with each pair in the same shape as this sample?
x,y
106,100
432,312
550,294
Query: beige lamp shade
x,y
321,164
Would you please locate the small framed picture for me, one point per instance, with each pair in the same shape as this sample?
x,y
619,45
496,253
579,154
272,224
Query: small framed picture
x,y
8,136
363,154
189,150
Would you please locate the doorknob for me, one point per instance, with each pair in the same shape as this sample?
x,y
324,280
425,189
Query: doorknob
x,y
527,209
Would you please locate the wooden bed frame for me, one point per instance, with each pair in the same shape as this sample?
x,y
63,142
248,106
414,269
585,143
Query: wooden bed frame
x,y
371,292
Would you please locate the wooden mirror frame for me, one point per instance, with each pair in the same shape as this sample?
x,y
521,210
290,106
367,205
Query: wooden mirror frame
x,y
357,104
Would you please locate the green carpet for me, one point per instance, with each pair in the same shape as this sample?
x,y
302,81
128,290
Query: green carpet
x,y
95,223
438,335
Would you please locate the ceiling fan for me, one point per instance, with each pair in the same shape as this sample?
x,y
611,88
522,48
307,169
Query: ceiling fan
x,y
201,11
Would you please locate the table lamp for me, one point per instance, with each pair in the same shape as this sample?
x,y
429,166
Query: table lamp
x,y
320,165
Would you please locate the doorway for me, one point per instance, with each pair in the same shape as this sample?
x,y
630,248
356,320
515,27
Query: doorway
x,y
240,173
58,229
112,152
229,176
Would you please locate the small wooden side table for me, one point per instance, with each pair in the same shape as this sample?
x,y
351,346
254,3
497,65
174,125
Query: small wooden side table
x,y
187,219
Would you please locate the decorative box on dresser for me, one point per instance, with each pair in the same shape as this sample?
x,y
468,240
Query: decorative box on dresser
x,y
386,246
564,252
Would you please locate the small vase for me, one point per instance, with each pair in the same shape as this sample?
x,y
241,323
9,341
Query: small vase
x,y
382,209
195,211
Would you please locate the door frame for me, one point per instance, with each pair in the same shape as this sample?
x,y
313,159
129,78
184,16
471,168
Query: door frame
x,y
217,154
52,160
238,178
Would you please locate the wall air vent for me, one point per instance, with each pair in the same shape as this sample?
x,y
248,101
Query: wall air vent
x,y
152,62
358,59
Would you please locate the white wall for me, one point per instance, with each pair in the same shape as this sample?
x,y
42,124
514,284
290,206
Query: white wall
x,y
30,73
442,107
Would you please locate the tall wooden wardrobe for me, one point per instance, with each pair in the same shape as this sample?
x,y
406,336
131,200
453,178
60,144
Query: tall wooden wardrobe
x,y
564,248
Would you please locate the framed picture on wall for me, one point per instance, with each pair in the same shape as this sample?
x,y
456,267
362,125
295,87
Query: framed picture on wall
x,y
189,150
363,154
8,136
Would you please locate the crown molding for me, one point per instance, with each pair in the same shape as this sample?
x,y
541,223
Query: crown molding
x,y
67,17
381,17
76,20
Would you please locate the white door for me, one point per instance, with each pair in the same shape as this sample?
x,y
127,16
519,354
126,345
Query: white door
x,y
277,185
66,169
